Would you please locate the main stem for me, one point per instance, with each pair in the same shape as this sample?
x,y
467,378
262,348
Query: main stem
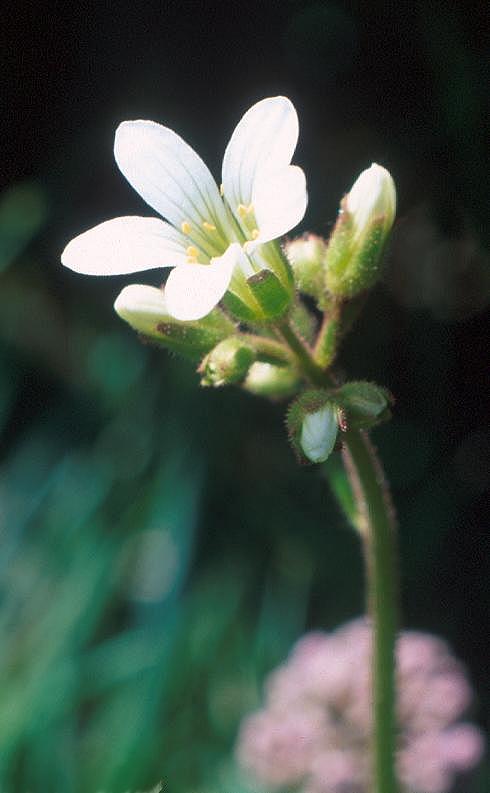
x,y
376,523
377,528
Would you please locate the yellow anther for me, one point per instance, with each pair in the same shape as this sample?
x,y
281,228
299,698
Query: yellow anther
x,y
186,227
221,190
208,226
255,234
244,210
192,253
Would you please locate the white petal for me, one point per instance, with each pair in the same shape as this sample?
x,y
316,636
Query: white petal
x,y
265,137
167,173
141,298
125,245
279,200
372,196
318,434
142,306
193,290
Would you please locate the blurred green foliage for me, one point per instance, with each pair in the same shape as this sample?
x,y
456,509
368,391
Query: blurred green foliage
x,y
160,550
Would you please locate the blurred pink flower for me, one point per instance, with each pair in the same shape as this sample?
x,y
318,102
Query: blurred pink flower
x,y
313,732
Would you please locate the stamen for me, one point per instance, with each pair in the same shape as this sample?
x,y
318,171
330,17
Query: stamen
x,y
221,190
243,210
192,254
186,227
208,226
255,234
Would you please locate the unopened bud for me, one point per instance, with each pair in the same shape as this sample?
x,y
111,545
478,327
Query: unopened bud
x,y
365,404
355,249
144,308
227,363
313,423
268,380
306,255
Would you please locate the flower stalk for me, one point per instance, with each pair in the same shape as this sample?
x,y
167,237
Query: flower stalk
x,y
376,525
376,521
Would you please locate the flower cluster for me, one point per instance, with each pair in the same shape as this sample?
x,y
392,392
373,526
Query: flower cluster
x,y
314,730
233,299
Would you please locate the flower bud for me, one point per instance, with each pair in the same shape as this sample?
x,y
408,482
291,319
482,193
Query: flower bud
x,y
365,404
306,255
313,423
227,363
144,308
267,380
354,252
303,321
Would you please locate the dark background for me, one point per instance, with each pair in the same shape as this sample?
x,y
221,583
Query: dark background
x,y
161,551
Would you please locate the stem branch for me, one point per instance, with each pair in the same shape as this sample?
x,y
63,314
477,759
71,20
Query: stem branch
x,y
270,350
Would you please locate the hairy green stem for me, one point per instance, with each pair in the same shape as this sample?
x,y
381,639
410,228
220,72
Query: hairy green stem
x,y
376,523
270,350
328,339
303,355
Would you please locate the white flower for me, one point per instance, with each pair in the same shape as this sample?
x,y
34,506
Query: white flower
x,y
213,239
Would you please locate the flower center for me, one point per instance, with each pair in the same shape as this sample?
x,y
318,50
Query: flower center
x,y
205,241
246,213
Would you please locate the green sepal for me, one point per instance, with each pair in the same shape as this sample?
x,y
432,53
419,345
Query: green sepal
x,y
277,261
365,404
192,339
356,246
144,308
352,268
241,310
303,321
227,363
273,298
